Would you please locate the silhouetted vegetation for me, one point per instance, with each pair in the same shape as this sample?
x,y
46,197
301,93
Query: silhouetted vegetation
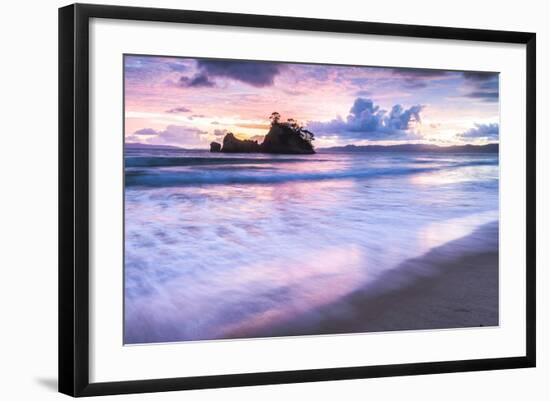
x,y
292,124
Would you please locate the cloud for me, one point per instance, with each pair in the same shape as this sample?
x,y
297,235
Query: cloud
x,y
418,73
146,131
177,110
489,132
363,92
478,76
417,78
196,81
139,69
488,96
482,85
220,132
294,92
401,119
254,73
176,66
368,121
414,84
193,116
177,135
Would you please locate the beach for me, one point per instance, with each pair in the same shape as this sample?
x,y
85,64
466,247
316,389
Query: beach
x,y
251,245
453,286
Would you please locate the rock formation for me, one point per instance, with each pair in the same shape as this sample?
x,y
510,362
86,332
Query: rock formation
x,y
231,144
282,138
215,147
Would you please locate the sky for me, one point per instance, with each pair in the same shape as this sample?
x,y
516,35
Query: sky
x,y
191,102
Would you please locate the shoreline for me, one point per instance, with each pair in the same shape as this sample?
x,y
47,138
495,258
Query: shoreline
x,y
455,285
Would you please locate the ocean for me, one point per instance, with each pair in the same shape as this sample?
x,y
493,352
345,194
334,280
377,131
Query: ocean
x,y
217,245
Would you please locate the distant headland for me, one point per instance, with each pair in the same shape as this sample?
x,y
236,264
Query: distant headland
x,y
141,146
412,147
283,138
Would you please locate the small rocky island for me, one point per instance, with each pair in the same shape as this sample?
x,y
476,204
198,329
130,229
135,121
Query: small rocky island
x,y
283,138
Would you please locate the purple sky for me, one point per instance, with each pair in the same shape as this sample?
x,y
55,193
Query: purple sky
x,y
192,102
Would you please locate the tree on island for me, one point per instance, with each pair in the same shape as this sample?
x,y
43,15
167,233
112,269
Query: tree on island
x,y
274,118
293,125
307,135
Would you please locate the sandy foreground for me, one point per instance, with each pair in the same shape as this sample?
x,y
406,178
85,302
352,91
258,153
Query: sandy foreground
x,y
453,286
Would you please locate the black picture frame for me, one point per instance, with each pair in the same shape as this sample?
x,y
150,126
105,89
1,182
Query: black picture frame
x,y
74,198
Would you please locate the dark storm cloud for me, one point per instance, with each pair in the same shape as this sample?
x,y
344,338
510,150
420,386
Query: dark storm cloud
x,y
414,84
417,78
418,73
483,85
368,121
479,76
196,81
253,73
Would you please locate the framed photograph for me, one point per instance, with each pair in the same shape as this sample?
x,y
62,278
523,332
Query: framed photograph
x,y
251,199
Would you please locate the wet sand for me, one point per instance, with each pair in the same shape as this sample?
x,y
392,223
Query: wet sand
x,y
452,286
